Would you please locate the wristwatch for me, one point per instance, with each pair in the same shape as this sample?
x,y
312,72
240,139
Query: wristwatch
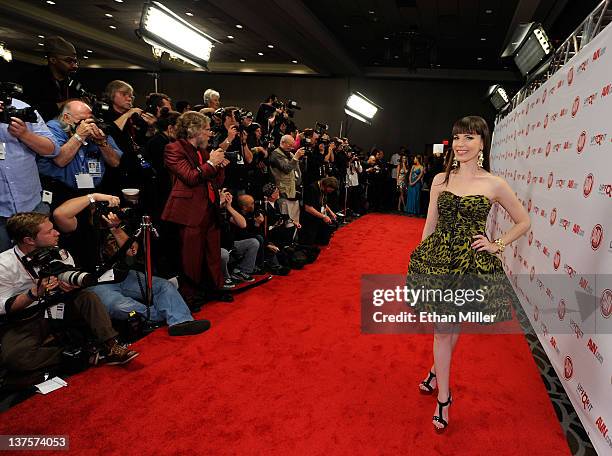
x,y
78,138
91,198
211,163
500,244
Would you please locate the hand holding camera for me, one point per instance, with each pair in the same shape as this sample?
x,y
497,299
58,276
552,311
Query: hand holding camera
x,y
232,132
17,128
217,157
299,153
86,128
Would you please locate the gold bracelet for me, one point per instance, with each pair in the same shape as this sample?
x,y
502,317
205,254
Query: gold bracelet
x,y
500,244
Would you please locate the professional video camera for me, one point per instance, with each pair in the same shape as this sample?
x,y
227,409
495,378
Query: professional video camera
x,y
289,107
8,90
48,261
321,128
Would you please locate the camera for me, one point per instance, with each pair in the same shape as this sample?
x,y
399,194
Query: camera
x,y
48,261
103,208
321,128
8,90
98,108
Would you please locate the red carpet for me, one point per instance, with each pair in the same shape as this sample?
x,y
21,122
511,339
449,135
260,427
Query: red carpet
x,y
284,370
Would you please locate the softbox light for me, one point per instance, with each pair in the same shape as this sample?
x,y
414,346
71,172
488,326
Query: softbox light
x,y
529,46
498,97
168,32
361,108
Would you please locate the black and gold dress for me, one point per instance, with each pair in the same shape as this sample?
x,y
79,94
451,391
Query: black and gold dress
x,y
446,259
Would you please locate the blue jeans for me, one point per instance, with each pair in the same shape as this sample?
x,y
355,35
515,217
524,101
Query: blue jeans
x,y
121,298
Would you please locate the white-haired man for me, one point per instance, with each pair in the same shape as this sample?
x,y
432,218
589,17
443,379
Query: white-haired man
x,y
285,167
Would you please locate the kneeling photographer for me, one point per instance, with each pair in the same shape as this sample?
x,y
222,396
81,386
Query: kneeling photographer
x,y
90,218
39,302
319,221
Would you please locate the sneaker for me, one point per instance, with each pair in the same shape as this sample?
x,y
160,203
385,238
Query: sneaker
x,y
243,276
119,354
189,328
228,284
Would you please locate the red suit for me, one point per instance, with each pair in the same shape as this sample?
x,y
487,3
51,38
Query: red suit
x,y
195,182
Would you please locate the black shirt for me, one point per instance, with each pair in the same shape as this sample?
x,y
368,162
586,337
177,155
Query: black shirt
x,y
42,91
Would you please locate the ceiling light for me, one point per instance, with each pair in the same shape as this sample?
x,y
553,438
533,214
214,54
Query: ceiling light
x,y
49,2
260,53
479,58
108,15
189,13
5,54
396,56
167,32
489,11
41,44
346,26
483,39
41,36
498,97
385,38
85,57
294,61
270,46
243,60
230,37
372,12
112,27
89,50
119,1
359,107
238,26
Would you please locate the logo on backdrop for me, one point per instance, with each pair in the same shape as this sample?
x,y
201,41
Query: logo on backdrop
x,y
530,237
544,95
548,148
570,76
546,121
561,309
596,236
606,303
551,180
529,205
581,141
588,185
553,216
557,260
536,313
575,106
568,368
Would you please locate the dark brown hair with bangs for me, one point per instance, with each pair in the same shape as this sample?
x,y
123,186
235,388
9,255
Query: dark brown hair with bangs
x,y
477,126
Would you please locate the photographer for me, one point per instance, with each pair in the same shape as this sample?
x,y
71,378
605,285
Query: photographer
x,y
25,342
244,249
193,201
285,167
212,101
20,143
85,151
233,141
318,160
121,297
319,220
129,127
156,103
258,172
48,87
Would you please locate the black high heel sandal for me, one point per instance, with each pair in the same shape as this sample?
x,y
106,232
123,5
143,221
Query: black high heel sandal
x,y
439,418
427,384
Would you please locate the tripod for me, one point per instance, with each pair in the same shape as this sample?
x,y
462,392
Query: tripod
x,y
146,230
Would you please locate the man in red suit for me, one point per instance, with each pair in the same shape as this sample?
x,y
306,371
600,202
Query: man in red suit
x,y
197,176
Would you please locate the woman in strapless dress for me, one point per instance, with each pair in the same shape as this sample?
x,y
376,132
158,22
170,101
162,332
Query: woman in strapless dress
x,y
454,244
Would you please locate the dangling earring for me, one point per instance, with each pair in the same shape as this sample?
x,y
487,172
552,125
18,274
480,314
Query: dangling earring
x,y
455,163
480,159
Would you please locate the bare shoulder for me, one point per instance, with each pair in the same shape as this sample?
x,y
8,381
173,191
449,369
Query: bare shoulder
x,y
439,178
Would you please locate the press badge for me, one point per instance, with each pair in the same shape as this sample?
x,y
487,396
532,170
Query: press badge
x,y
84,180
55,312
2,151
94,167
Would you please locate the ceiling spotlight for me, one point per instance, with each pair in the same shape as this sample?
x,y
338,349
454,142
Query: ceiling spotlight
x,y
479,58
529,47
372,12
294,61
498,97
41,36
270,46
238,26
5,53
189,13
489,11
112,27
260,53
49,2
108,15
346,26
359,107
243,60
230,37
396,56
119,1
168,32
385,38
85,57
41,44
89,50
483,39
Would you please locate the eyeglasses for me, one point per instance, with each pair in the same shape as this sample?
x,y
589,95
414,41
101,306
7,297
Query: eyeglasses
x,y
69,60
126,93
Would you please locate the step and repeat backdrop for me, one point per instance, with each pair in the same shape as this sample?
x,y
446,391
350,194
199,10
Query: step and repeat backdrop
x,y
555,151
